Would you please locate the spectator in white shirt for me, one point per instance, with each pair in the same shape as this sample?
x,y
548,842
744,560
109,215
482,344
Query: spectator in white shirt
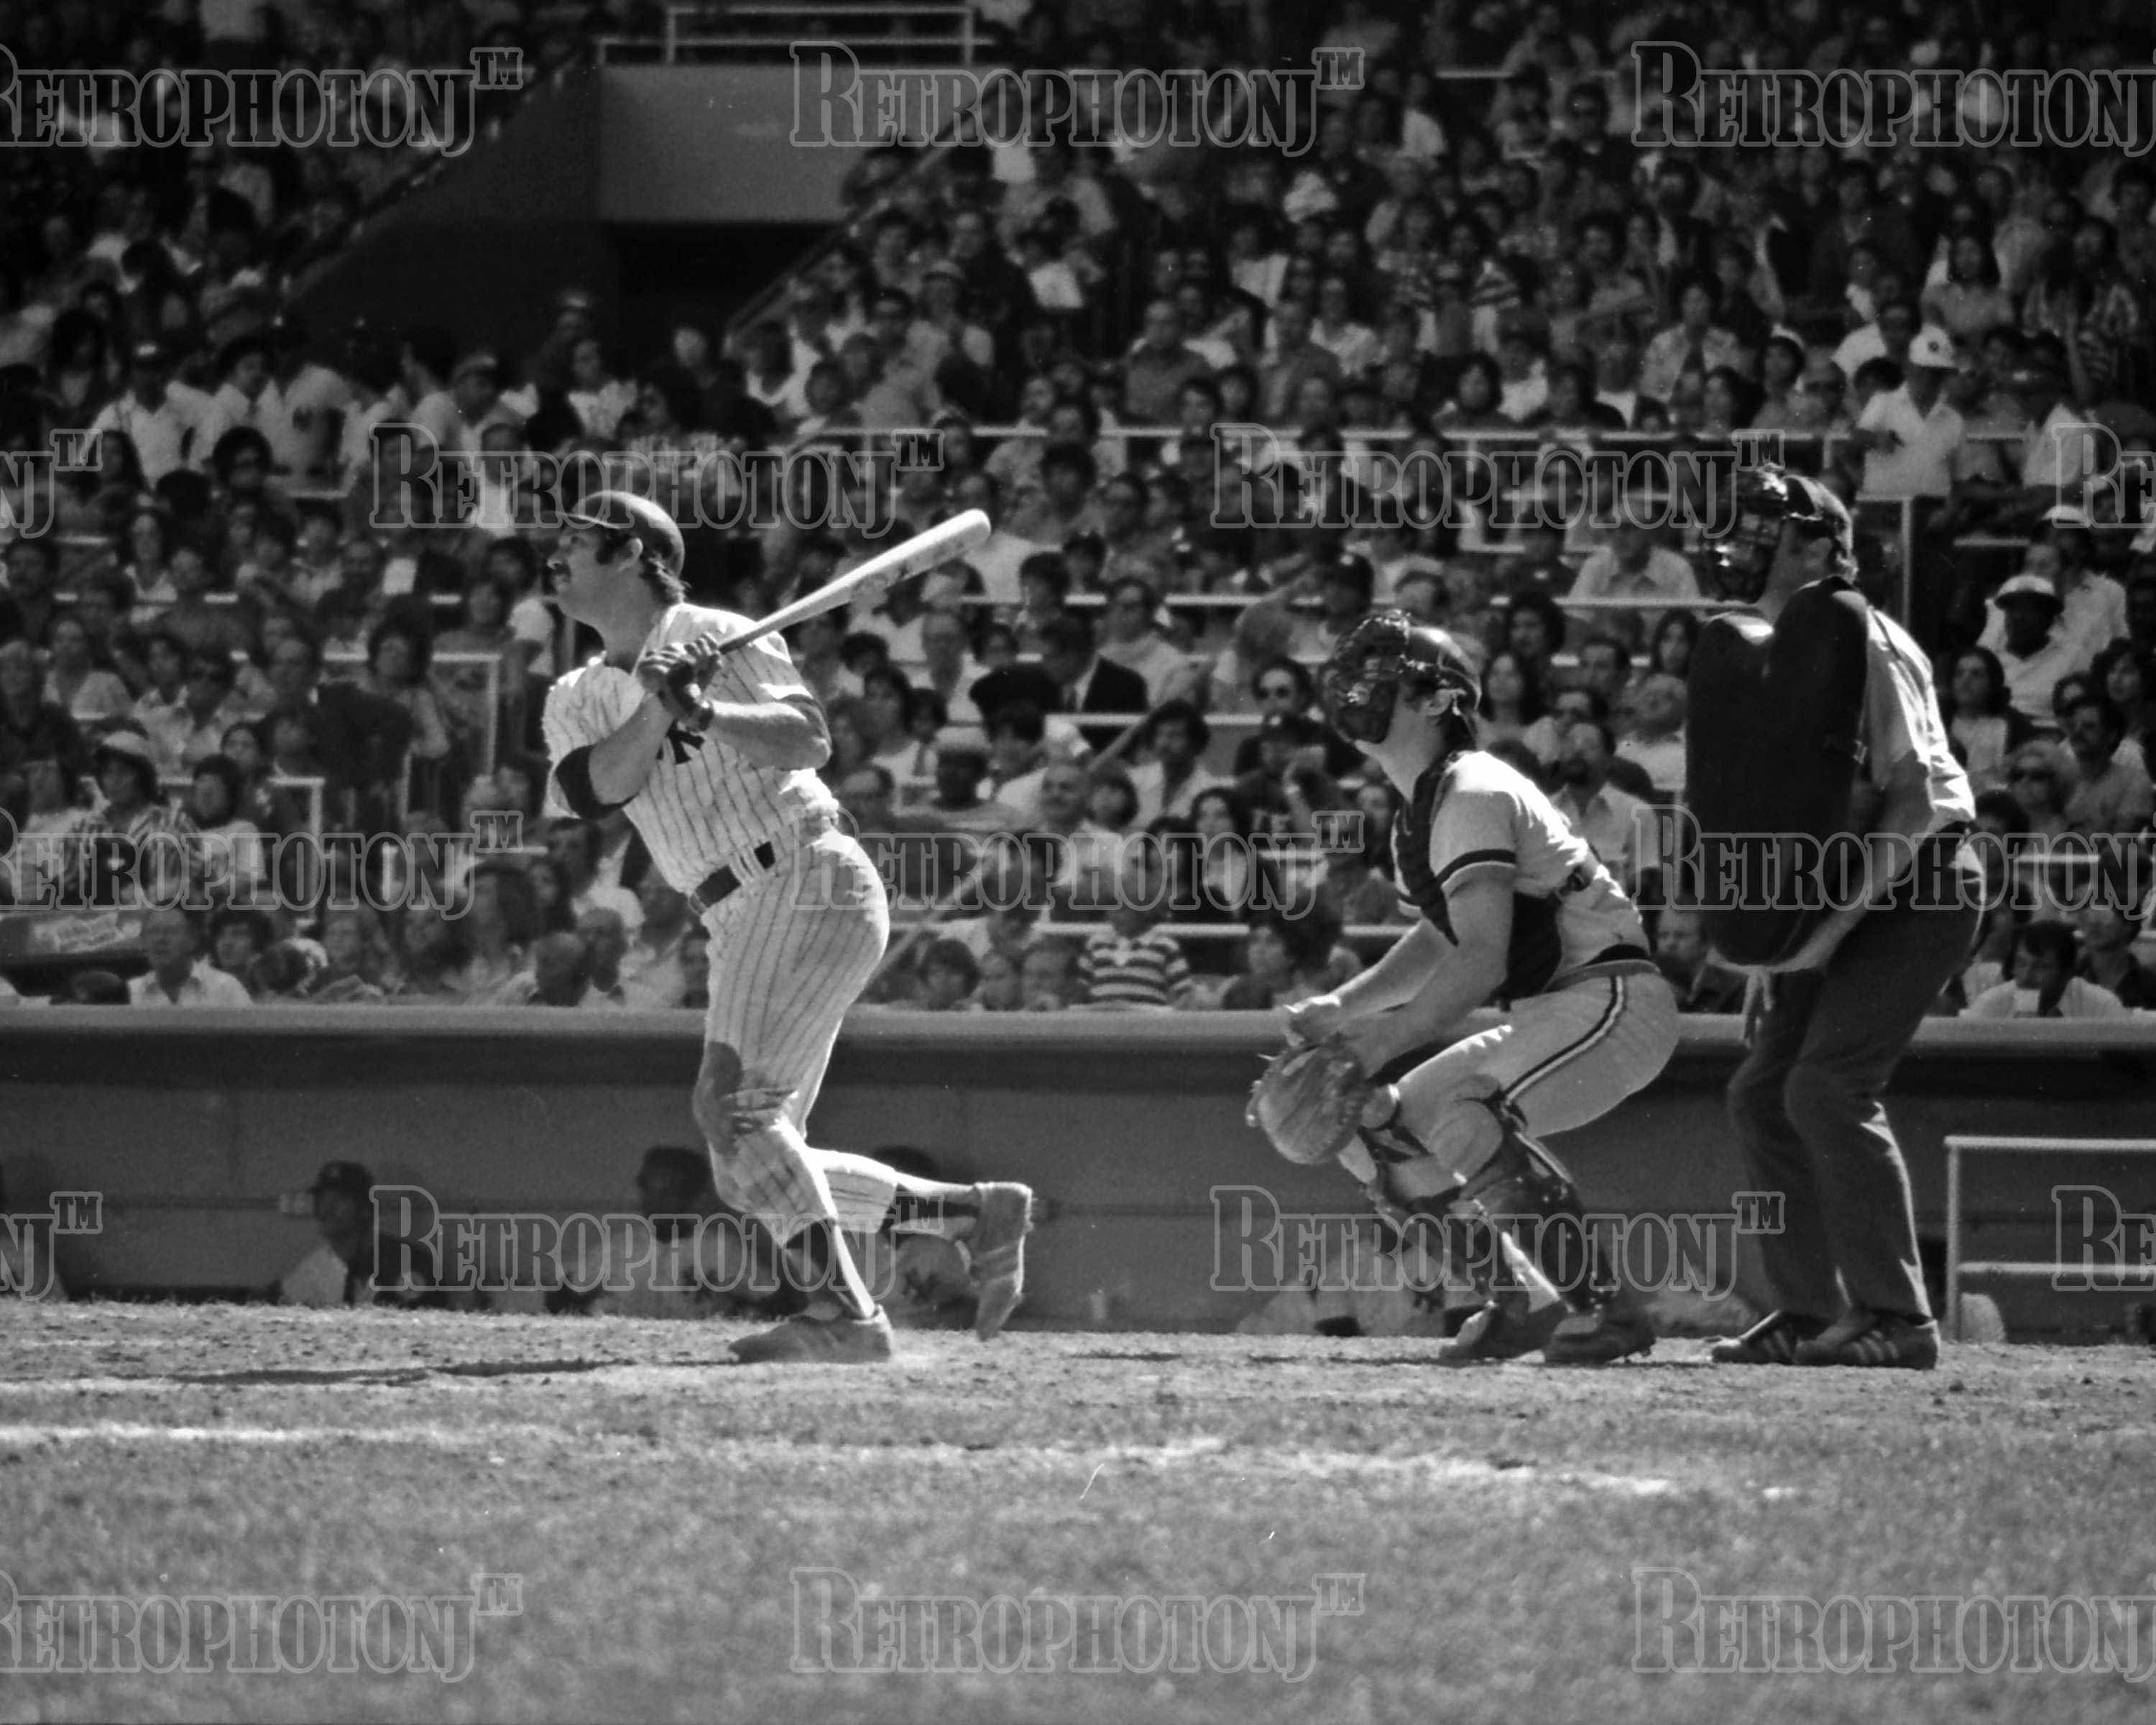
x,y
652,977
1167,784
1914,445
307,404
2045,985
2034,650
164,420
175,978
1632,566
1656,740
1608,819
950,669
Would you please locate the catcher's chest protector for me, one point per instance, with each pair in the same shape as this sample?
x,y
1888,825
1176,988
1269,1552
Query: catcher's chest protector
x,y
1772,749
1536,950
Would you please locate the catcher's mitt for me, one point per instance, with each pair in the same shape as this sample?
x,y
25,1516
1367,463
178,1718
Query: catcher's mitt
x,y
677,676
1309,1101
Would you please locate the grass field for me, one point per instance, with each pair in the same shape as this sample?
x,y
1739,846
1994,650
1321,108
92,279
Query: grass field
x,y
652,1504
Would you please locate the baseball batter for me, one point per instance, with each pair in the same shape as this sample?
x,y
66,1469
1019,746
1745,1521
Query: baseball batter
x,y
724,791
1514,906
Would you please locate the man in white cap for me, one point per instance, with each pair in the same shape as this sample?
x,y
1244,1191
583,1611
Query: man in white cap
x,y
2032,648
1914,444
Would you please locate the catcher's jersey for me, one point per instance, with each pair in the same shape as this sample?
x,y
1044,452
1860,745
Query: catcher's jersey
x,y
703,804
1473,815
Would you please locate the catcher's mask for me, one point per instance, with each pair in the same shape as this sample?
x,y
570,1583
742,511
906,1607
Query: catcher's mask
x,y
1768,497
1388,654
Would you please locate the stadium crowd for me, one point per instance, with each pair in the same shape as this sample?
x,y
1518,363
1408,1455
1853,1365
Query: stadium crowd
x,y
242,624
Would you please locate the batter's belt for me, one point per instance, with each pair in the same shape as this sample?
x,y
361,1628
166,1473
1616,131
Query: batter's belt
x,y
725,881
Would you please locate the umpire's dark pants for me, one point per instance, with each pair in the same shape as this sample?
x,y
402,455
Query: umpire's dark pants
x,y
1806,1102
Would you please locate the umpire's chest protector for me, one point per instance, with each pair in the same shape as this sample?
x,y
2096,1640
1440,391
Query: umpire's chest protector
x,y
1772,748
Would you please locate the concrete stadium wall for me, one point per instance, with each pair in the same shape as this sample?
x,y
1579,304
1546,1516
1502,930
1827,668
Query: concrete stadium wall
x,y
190,1124
698,144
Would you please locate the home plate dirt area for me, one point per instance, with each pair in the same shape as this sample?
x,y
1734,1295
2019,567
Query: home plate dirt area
x,y
240,1513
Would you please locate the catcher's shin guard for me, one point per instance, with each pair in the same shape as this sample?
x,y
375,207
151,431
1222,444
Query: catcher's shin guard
x,y
1421,1197
1525,1192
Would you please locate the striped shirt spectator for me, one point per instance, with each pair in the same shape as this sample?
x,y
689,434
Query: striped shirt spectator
x,y
1145,968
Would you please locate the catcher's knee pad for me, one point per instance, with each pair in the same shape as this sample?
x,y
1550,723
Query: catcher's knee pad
x,y
1465,1127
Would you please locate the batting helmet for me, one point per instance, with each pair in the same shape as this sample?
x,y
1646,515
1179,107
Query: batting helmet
x,y
625,513
1383,656
1767,497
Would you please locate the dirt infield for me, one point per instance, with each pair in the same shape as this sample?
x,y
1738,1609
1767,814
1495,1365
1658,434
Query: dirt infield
x,y
1092,1528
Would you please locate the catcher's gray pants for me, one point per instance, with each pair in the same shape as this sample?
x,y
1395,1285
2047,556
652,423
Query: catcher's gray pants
x,y
1810,1124
1560,1059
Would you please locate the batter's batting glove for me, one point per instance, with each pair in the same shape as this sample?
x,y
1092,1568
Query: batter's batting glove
x,y
677,675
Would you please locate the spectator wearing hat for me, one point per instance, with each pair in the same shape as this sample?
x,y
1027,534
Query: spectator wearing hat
x,y
176,977
2033,650
361,1261
1914,444
165,420
652,978
129,868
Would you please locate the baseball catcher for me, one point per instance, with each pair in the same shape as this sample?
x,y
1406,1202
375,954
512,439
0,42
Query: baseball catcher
x,y
1815,720
1514,906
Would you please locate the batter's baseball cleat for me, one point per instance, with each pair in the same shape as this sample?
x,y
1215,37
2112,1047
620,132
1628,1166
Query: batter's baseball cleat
x,y
1506,1329
1772,1342
1873,1339
818,1342
997,1246
1615,1330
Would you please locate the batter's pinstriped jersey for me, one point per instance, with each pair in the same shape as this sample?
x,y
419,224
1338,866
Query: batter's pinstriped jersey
x,y
705,804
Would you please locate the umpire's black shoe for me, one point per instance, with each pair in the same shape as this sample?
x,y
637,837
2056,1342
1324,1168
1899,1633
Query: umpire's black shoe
x,y
1772,1342
1874,1338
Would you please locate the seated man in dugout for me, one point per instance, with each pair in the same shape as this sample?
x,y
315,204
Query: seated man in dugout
x,y
358,1262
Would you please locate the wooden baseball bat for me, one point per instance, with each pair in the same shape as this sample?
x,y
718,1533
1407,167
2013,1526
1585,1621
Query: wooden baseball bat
x,y
915,557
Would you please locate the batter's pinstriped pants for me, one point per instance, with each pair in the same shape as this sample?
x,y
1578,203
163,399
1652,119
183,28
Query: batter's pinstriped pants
x,y
791,949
